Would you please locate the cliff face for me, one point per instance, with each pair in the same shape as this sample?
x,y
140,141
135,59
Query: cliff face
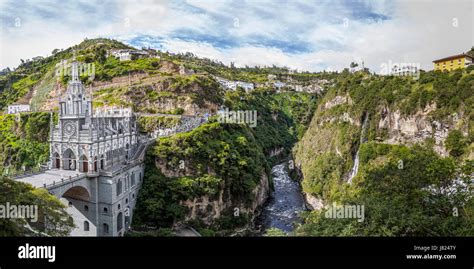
x,y
215,176
327,152
420,126
166,91
208,209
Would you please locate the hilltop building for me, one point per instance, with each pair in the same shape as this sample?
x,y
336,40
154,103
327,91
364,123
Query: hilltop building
x,y
232,85
453,62
405,70
128,54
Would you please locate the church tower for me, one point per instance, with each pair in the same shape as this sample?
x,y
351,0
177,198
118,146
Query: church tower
x,y
77,103
100,159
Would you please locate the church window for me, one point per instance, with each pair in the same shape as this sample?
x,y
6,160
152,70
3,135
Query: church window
x,y
86,225
119,187
105,228
119,222
86,208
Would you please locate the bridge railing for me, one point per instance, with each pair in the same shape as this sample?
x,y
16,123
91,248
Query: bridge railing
x,y
27,172
63,181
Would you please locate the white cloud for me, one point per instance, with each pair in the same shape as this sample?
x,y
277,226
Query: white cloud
x,y
261,32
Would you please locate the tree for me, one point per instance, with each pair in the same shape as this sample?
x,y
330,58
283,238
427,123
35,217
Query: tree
x,y
471,52
273,232
101,55
51,218
455,143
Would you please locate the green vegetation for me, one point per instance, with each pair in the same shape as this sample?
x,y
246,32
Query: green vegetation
x,y
299,107
16,84
179,91
226,161
281,118
162,232
456,143
255,74
403,200
113,67
450,91
147,124
52,219
327,150
221,157
275,232
24,140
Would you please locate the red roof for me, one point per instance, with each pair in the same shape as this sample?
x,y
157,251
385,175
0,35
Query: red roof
x,y
452,57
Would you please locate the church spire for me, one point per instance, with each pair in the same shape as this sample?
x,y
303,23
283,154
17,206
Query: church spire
x,y
77,101
74,69
75,72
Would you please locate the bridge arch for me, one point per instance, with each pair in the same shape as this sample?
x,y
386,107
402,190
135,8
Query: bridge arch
x,y
77,193
80,206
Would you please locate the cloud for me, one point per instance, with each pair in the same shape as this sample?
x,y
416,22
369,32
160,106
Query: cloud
x,y
306,35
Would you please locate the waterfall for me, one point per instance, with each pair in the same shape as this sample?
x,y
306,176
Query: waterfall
x,y
355,167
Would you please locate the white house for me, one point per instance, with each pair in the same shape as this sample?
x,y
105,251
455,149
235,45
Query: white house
x,y
405,70
232,85
128,54
245,85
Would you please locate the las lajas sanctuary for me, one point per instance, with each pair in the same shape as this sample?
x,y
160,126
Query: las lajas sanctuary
x,y
96,163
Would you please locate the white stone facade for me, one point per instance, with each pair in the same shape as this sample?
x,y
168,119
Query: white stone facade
x,y
104,149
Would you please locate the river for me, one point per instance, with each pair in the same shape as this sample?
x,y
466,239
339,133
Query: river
x,y
282,209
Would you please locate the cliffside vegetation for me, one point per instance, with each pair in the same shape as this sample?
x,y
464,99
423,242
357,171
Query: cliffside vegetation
x,y
424,124
442,103
219,159
24,140
48,219
147,124
214,159
405,192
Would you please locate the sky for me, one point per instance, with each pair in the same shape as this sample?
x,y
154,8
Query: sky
x,y
304,35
